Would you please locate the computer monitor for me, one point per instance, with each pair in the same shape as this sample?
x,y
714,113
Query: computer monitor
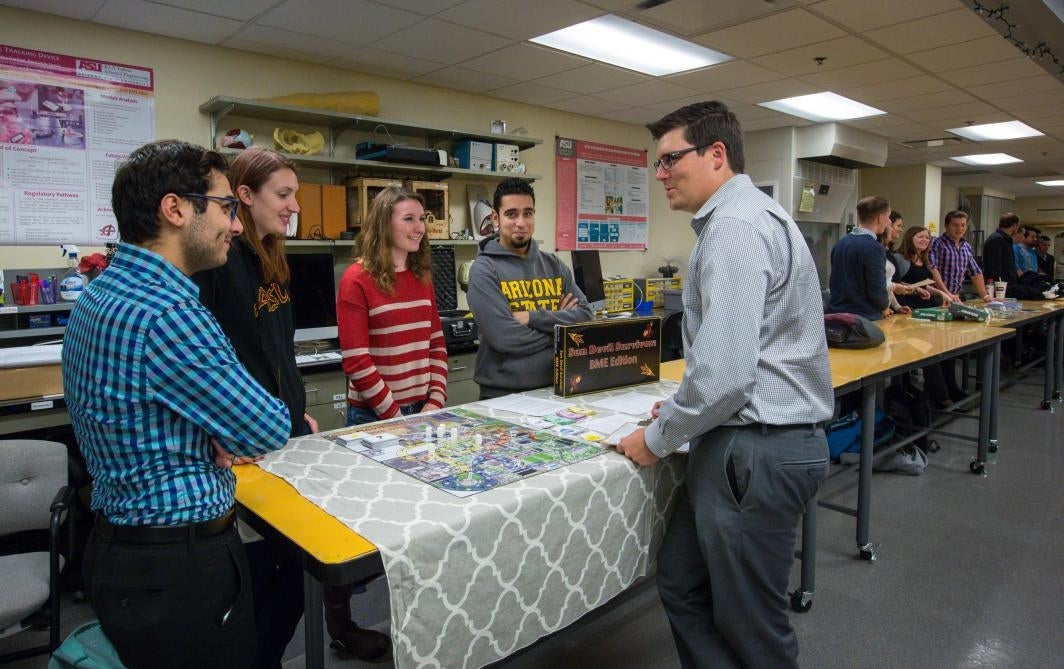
x,y
587,272
313,292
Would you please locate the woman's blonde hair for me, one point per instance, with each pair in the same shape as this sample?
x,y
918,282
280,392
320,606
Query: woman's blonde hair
x,y
374,247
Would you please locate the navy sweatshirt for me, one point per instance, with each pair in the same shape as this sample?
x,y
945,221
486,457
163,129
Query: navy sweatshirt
x,y
858,276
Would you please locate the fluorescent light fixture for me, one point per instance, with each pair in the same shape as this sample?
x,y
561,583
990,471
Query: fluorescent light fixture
x,y
993,131
822,107
986,159
614,40
1057,182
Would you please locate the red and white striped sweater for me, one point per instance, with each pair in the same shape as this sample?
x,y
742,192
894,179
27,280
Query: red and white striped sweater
x,y
393,348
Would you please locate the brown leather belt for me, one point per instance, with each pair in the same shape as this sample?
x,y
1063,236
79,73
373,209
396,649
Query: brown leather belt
x,y
164,534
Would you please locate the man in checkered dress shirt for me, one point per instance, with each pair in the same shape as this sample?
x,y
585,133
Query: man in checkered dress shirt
x,y
755,391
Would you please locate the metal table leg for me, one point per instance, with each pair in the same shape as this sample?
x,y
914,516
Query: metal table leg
x,y
313,622
864,483
1058,377
1050,364
986,401
995,388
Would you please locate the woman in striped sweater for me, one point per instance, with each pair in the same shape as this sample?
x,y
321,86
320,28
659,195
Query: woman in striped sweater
x,y
394,353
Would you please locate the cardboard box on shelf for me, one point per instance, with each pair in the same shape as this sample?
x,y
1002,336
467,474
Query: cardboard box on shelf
x,y
29,382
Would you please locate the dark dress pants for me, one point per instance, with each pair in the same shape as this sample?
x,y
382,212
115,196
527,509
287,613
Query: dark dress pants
x,y
724,564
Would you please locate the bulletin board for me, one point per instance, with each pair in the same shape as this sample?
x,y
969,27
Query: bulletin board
x,y
603,196
65,123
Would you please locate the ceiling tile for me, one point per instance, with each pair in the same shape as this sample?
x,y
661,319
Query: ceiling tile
x,y
435,40
726,75
637,115
964,118
880,121
672,105
956,98
285,44
753,113
531,93
75,10
424,7
587,105
960,25
769,123
180,23
863,15
951,111
906,131
956,56
375,61
351,21
519,19
465,80
245,10
647,92
1016,87
785,30
1032,100
890,90
773,90
1035,112
593,79
524,61
989,73
694,17
841,52
879,71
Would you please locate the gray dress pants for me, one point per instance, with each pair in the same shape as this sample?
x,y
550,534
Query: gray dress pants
x,y
725,561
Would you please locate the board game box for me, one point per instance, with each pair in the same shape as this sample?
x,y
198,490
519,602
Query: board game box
x,y
613,353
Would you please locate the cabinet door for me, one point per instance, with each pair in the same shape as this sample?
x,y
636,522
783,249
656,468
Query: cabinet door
x,y
461,388
326,398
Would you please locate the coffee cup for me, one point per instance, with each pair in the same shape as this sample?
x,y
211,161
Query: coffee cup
x,y
999,289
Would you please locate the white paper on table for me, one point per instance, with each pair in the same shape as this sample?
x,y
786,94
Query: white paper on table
x,y
636,404
627,429
529,406
608,424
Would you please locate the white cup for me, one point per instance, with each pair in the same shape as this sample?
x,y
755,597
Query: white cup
x,y
999,289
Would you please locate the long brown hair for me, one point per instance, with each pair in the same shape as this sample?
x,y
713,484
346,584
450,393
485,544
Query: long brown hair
x,y
908,247
252,168
374,245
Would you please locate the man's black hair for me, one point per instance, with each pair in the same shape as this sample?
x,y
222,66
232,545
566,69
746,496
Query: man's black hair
x,y
512,186
705,123
149,174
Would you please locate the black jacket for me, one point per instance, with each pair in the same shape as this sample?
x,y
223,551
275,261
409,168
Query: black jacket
x,y
998,261
257,318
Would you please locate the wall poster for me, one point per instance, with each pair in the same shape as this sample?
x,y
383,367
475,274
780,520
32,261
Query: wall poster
x,y
603,196
65,122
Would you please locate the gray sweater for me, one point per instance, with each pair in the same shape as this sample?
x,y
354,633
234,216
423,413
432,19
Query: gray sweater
x,y
514,357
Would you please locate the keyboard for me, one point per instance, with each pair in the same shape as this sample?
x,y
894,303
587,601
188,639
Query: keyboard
x,y
318,358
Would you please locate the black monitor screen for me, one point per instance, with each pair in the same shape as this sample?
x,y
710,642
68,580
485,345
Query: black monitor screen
x,y
587,272
313,292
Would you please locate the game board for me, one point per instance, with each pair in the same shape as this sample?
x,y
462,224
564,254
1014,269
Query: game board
x,y
461,452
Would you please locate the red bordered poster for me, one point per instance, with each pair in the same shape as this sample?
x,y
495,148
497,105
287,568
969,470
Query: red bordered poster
x,y
65,122
603,196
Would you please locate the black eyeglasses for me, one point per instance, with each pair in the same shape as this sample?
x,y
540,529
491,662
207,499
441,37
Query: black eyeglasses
x,y
669,160
230,205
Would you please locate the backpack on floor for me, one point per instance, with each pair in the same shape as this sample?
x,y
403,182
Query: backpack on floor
x,y
844,433
87,647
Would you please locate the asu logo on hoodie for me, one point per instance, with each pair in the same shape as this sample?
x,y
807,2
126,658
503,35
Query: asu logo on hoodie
x,y
533,294
270,298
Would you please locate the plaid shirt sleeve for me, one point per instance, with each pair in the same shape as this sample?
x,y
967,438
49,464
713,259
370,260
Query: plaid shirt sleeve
x,y
194,371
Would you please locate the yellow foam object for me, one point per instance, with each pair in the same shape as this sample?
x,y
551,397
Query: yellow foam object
x,y
293,141
351,102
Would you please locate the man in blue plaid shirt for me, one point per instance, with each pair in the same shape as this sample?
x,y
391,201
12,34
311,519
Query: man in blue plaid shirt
x,y
162,409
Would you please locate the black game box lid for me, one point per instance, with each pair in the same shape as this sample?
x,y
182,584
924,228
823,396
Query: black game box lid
x,y
613,353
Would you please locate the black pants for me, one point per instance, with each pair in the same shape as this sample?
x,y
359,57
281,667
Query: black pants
x,y
176,605
183,598
725,561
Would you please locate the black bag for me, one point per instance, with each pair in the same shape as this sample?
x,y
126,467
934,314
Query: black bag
x,y
851,331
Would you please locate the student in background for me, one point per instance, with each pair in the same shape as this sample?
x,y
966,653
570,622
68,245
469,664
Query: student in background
x,y
162,409
1046,263
897,288
858,276
952,260
248,296
517,294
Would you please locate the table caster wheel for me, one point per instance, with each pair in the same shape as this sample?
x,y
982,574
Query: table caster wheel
x,y
977,467
869,552
1047,405
801,601
933,447
992,446
1057,396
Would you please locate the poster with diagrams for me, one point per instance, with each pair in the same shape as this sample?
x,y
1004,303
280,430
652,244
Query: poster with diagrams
x,y
65,123
603,198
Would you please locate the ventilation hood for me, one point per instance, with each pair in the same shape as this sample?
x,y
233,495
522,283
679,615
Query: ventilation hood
x,y
841,145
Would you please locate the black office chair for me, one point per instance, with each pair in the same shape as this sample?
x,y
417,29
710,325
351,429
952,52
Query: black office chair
x,y
672,337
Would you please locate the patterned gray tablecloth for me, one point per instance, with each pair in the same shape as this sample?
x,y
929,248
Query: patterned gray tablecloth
x,y
475,579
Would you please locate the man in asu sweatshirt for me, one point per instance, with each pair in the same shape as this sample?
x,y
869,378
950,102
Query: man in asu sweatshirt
x,y
517,295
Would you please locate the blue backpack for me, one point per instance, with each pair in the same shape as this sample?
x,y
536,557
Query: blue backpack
x,y
844,433
87,647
